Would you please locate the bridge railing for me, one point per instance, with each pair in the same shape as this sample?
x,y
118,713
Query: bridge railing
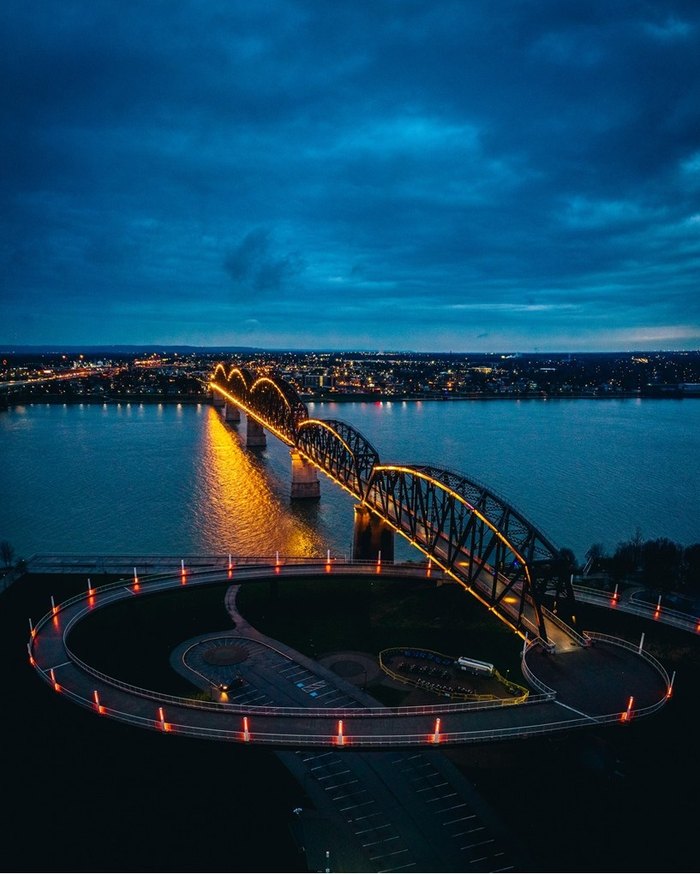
x,y
543,689
677,618
166,581
555,620
332,738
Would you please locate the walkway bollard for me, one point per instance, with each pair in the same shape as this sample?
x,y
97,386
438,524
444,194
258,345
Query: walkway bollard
x,y
429,568
615,596
136,581
230,566
627,715
182,571
658,608
328,561
98,706
91,591
340,738
54,608
165,726
277,562
379,562
641,643
670,685
55,685
246,733
436,733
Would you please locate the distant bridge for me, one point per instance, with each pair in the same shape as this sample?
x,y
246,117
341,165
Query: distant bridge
x,y
476,537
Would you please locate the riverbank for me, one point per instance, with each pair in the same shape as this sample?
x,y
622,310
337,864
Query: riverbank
x,y
342,398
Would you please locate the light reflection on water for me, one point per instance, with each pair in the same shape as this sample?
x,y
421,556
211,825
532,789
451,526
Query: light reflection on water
x,y
236,508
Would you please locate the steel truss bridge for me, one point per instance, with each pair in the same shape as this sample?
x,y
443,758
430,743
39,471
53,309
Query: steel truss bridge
x,y
475,536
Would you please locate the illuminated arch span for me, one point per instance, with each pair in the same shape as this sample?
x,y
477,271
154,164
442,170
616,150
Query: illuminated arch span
x,y
275,401
482,540
340,450
239,381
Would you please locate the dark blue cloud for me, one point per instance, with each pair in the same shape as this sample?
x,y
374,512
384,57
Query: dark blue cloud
x,y
413,174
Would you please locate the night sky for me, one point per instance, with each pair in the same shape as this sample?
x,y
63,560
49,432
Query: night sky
x,y
375,174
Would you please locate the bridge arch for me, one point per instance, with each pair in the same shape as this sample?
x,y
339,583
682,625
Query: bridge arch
x,y
239,382
275,401
480,539
340,450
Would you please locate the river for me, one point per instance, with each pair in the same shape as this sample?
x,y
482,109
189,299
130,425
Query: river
x,y
175,479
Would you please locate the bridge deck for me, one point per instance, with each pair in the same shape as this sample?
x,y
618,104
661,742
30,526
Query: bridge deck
x,y
593,684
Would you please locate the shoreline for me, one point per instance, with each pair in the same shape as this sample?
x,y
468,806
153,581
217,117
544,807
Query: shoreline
x,y
362,398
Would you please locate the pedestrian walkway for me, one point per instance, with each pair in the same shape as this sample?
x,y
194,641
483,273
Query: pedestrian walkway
x,y
616,669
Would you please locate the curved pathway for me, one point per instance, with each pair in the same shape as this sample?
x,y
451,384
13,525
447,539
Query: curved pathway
x,y
576,688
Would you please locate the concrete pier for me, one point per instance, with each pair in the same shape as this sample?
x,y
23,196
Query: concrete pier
x,y
255,434
305,484
231,413
217,400
371,535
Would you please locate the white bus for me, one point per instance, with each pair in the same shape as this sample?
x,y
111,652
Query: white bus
x,y
474,666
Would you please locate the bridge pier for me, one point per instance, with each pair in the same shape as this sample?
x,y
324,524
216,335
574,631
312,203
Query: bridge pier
x,y
305,482
255,434
231,413
216,399
370,536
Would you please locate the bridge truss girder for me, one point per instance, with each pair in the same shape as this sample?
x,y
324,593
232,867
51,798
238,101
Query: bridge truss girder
x,y
340,451
482,540
485,543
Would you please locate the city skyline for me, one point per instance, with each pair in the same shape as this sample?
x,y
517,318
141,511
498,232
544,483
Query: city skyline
x,y
307,175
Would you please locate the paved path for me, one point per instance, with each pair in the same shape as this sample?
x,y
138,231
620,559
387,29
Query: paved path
x,y
595,682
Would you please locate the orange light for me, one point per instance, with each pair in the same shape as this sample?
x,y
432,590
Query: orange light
x,y
627,715
246,732
56,687
436,733
31,661
163,724
341,737
100,709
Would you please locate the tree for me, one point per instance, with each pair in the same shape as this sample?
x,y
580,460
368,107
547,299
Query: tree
x,y
7,553
691,568
661,564
594,558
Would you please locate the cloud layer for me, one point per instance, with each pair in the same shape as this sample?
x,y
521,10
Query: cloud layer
x,y
386,175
